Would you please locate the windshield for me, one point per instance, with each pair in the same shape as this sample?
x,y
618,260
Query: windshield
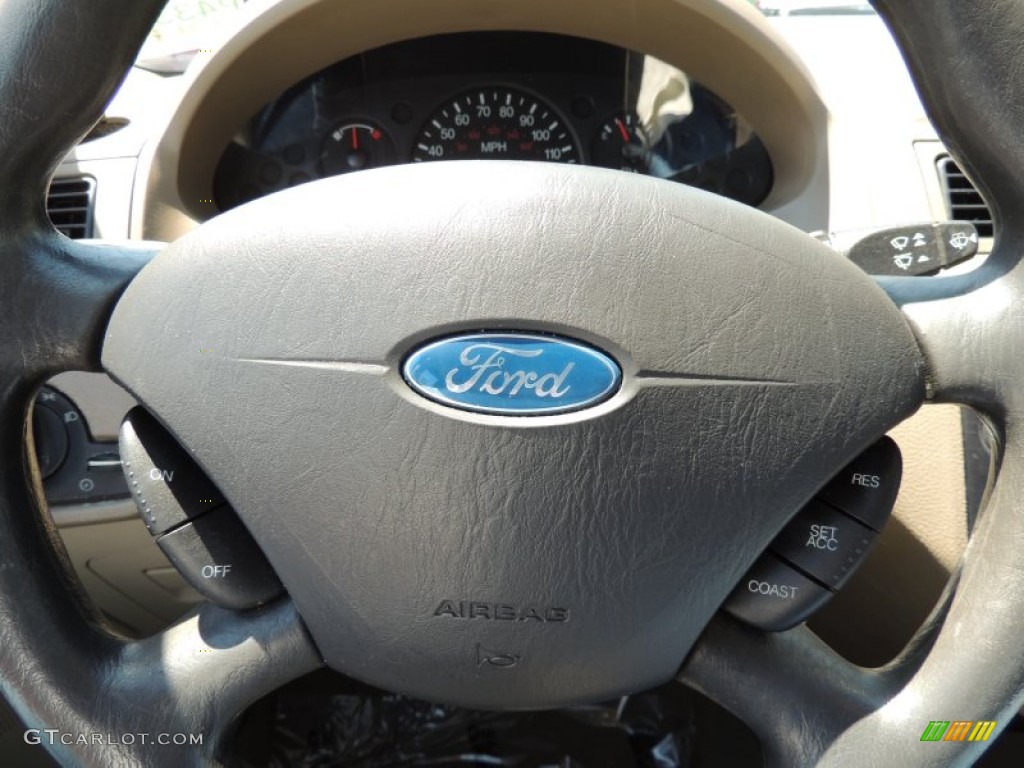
x,y
813,7
187,26
184,27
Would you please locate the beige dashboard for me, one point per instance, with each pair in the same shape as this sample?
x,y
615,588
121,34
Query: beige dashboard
x,y
726,45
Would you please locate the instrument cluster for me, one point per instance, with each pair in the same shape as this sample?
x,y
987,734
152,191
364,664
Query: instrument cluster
x,y
496,95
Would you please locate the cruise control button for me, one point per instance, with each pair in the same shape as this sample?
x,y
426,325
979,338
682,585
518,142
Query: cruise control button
x,y
168,487
867,486
824,543
217,556
773,596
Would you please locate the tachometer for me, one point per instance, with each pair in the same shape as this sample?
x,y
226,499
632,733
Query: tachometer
x,y
498,124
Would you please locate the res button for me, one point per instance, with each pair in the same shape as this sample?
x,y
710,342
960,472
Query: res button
x,y
867,487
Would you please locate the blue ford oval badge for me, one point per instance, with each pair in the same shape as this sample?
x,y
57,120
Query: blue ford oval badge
x,y
515,374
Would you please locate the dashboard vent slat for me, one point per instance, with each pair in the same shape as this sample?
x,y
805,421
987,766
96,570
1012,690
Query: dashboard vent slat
x,y
963,201
69,204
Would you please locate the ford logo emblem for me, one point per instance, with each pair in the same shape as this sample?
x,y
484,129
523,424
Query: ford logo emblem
x,y
515,374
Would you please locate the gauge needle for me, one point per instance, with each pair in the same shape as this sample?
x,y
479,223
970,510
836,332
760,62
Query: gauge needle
x,y
622,130
355,139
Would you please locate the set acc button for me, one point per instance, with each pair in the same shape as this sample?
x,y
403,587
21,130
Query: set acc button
x,y
774,596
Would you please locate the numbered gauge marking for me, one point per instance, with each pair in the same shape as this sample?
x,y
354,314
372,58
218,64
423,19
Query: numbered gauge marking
x,y
496,124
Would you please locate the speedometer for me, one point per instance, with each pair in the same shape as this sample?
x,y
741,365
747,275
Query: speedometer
x,y
496,124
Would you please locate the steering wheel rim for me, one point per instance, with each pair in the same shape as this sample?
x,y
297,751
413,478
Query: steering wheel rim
x,y
60,670
966,657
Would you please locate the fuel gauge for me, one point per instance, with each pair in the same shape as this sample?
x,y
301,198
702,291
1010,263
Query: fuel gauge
x,y
355,147
622,143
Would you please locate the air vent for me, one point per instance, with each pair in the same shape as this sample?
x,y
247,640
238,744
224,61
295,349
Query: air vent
x,y
69,206
963,200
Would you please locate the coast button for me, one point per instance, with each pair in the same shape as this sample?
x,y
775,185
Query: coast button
x,y
774,596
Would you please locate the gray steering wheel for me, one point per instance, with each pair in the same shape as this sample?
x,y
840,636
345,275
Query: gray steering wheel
x,y
752,365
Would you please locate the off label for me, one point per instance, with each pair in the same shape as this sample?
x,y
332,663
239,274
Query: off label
x,y
215,571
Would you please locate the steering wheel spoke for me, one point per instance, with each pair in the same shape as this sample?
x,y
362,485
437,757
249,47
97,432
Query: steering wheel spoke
x,y
797,694
968,662
190,679
195,677
60,294
790,688
964,325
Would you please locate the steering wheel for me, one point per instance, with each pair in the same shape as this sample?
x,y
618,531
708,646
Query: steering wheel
x,y
271,340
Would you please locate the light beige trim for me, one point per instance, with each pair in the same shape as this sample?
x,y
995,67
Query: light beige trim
x,y
724,44
933,497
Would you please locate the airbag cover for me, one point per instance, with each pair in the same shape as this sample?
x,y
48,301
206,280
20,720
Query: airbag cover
x,y
499,560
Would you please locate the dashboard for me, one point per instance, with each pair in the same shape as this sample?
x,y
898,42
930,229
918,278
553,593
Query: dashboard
x,y
496,95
